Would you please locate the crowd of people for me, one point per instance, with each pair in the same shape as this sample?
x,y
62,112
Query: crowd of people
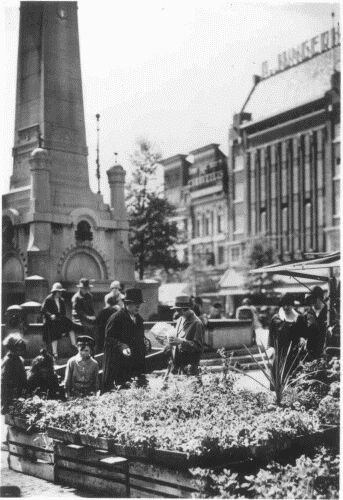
x,y
118,331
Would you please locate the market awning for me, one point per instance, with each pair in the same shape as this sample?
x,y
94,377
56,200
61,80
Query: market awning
x,y
313,269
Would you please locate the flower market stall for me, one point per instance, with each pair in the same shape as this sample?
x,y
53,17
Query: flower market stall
x,y
147,441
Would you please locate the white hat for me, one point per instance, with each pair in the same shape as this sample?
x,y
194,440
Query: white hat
x,y
57,287
115,284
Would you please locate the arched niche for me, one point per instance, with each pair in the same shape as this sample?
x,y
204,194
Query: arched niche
x,y
83,263
13,269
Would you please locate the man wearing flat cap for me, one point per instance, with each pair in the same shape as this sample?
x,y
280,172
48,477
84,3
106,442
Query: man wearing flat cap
x,y
56,323
124,350
186,347
316,323
83,314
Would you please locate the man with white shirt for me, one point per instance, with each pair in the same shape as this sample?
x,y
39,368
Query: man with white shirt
x,y
124,349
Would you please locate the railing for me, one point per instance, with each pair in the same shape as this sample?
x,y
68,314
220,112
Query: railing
x,y
205,180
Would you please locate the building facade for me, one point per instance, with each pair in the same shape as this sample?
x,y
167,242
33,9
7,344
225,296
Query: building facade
x,y
196,184
284,157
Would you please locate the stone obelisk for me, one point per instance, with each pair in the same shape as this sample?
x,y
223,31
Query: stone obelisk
x,y
56,227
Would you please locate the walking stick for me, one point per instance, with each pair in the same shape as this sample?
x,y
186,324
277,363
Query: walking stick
x,y
166,375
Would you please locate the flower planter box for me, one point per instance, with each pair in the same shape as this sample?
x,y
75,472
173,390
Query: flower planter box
x,y
19,422
30,453
63,435
97,442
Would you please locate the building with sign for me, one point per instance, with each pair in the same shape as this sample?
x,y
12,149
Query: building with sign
x,y
284,157
196,184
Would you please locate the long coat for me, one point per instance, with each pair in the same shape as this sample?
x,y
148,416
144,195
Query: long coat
x,y
316,330
186,357
53,329
13,379
121,332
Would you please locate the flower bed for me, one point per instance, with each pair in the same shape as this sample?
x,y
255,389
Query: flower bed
x,y
191,421
310,477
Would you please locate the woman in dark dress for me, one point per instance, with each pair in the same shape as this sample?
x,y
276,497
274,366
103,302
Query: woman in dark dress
x,y
13,374
56,323
285,338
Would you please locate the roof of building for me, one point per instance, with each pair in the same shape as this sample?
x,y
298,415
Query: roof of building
x,y
294,87
178,158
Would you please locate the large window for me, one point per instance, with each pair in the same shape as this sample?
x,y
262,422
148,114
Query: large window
x,y
238,191
235,254
220,225
238,223
221,255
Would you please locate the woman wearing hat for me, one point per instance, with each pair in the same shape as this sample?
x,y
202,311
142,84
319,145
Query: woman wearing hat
x,y
185,349
55,320
285,335
124,350
82,372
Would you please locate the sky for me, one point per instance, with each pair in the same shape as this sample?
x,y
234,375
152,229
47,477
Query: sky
x,y
172,71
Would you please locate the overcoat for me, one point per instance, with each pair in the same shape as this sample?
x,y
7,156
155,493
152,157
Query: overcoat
x,y
53,329
316,330
122,332
186,357
13,379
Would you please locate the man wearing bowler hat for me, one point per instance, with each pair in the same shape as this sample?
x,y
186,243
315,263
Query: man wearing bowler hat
x,y
186,347
124,350
83,314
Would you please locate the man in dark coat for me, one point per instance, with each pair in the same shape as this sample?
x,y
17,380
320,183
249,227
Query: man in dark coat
x,y
83,314
316,323
124,350
56,322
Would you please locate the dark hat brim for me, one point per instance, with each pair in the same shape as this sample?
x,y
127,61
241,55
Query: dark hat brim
x,y
129,301
85,339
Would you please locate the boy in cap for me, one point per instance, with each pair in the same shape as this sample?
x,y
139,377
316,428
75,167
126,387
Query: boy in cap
x,y
82,372
124,350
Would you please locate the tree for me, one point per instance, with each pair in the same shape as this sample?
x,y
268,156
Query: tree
x,y
152,236
261,255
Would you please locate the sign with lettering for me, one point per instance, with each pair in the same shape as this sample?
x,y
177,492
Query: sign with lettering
x,y
304,51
